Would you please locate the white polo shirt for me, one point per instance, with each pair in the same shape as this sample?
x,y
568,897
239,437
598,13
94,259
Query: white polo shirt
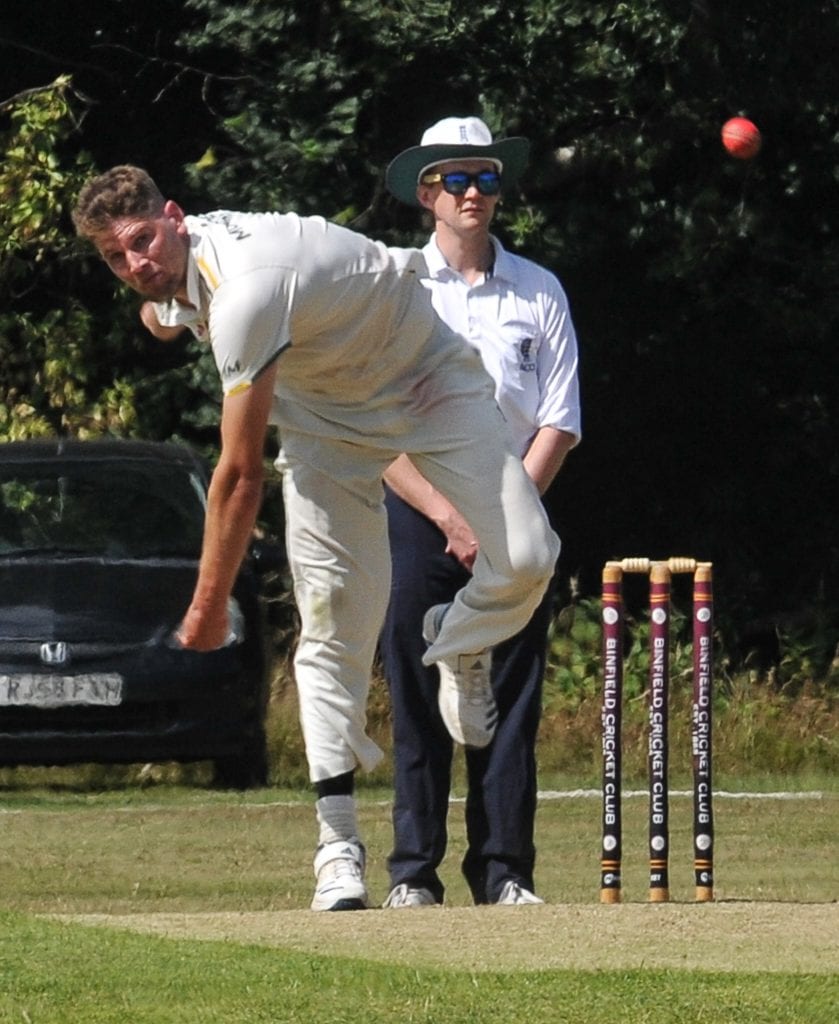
x,y
347,314
518,319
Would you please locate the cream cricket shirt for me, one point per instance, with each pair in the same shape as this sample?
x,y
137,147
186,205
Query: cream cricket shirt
x,y
518,319
347,314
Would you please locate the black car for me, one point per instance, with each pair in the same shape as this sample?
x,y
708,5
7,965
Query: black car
x,y
99,549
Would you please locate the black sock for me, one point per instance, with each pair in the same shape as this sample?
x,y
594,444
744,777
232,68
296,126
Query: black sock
x,y
338,785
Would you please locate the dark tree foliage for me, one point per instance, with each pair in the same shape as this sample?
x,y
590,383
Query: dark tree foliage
x,y
703,288
145,102
134,100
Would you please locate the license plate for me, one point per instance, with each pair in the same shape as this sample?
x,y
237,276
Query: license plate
x,y
56,691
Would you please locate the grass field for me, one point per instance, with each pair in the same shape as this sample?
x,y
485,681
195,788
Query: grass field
x,y
184,905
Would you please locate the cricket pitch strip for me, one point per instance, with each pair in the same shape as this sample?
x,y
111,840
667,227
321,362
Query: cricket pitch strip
x,y
723,936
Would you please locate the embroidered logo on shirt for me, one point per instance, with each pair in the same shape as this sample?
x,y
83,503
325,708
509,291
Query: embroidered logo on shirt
x,y
231,369
527,364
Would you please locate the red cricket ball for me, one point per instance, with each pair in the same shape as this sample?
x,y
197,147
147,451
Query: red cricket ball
x,y
741,137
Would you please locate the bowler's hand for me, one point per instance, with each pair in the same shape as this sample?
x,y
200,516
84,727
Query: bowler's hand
x,y
202,630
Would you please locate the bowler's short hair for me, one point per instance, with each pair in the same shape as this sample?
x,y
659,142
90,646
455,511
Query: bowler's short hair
x,y
123,191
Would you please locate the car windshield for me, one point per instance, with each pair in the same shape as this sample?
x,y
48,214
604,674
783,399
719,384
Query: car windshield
x,y
109,509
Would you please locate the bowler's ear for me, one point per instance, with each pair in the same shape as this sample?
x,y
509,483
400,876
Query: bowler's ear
x,y
173,212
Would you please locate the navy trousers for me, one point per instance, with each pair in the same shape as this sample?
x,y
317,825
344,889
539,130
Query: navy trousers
x,y
501,794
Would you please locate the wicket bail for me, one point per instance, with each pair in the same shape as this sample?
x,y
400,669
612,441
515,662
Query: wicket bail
x,y
660,573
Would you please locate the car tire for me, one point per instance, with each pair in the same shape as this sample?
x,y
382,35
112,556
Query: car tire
x,y
247,769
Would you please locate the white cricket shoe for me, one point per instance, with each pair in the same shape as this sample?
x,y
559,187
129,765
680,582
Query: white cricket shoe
x,y
339,870
466,701
404,895
514,895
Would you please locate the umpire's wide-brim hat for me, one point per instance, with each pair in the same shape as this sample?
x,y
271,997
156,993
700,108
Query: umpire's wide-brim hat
x,y
455,138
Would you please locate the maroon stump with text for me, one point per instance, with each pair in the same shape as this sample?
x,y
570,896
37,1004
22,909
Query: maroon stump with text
x,y
610,854
703,661
657,738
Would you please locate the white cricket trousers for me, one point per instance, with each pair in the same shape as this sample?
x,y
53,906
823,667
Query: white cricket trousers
x,y
336,535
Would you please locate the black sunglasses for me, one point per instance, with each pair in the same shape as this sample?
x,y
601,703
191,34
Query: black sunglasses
x,y
488,183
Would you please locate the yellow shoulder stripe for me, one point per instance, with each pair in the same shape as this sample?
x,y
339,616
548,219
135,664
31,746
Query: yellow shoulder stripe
x,y
211,277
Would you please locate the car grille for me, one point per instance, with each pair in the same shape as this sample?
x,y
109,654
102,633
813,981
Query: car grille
x,y
136,717
28,652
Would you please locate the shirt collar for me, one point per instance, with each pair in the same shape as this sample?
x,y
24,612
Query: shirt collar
x,y
438,267
193,278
